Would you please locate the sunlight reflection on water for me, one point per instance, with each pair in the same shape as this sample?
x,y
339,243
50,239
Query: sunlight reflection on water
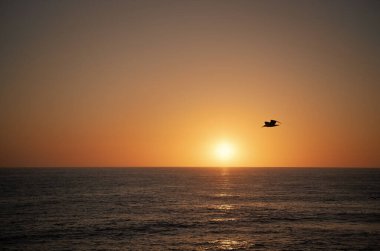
x,y
228,244
222,195
223,219
224,207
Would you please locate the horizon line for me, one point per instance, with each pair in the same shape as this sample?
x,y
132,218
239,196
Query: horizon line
x,y
210,167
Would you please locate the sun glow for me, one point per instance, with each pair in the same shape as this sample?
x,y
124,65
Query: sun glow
x,y
224,151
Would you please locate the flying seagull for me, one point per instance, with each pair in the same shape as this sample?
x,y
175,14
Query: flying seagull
x,y
272,123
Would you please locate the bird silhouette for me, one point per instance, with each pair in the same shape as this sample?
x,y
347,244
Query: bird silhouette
x,y
271,123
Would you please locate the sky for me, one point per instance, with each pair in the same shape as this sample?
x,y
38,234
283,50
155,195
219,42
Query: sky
x,y
164,83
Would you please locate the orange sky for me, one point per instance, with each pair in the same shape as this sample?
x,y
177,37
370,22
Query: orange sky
x,y
160,83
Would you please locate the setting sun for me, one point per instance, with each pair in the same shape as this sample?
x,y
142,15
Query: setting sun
x,y
224,151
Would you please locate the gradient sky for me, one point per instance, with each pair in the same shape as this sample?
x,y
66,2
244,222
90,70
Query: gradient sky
x,y
160,83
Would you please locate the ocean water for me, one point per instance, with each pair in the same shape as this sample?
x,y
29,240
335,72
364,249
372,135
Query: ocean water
x,y
189,209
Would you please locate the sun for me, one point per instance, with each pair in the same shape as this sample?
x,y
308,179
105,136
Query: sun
x,y
224,151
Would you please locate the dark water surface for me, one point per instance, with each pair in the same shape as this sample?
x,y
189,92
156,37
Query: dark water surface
x,y
189,209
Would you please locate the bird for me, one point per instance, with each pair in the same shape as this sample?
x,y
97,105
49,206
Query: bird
x,y
271,123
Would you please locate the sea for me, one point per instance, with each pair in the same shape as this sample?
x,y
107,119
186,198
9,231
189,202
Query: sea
x,y
189,209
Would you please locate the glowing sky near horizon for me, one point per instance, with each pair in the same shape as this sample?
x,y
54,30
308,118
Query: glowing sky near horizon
x,y
160,83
